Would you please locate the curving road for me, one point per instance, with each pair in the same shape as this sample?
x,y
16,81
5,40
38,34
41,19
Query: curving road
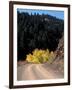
x,y
36,72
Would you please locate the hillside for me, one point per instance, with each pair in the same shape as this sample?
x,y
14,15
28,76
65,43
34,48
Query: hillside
x,y
37,31
59,60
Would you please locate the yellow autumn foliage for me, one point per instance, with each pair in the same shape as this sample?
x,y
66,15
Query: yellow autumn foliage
x,y
40,56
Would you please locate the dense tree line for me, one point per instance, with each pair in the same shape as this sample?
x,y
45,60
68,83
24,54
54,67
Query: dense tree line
x,y
37,31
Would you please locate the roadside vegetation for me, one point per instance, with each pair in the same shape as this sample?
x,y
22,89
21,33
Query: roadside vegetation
x,y
41,56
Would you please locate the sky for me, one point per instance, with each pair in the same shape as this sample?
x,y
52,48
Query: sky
x,y
57,14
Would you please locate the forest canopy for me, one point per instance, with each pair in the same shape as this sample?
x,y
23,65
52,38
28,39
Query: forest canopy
x,y
37,32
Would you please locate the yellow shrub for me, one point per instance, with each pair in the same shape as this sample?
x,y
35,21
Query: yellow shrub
x,y
40,56
29,58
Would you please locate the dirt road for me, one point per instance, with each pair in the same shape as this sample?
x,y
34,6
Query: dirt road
x,y
36,72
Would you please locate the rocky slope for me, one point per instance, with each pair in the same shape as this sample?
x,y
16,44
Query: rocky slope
x,y
59,59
